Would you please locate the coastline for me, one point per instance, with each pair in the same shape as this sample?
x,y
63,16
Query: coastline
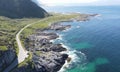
x,y
48,56
71,54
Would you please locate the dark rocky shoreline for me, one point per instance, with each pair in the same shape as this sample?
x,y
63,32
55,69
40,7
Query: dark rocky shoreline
x,y
47,56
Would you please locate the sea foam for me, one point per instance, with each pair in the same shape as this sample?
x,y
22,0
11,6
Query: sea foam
x,y
75,59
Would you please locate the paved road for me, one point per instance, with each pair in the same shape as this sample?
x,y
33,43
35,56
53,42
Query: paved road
x,y
22,52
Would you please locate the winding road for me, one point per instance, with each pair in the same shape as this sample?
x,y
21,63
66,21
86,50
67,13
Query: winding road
x,y
23,54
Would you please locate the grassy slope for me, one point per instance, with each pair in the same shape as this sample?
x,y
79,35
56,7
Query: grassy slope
x,y
8,30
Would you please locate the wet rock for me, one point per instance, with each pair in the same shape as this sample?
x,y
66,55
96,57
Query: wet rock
x,y
69,59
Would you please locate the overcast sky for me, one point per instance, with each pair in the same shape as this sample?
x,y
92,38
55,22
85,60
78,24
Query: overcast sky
x,y
77,2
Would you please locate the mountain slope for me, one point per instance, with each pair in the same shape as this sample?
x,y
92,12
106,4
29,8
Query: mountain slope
x,y
20,9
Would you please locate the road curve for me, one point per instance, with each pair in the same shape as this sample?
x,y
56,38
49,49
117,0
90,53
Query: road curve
x,y
23,54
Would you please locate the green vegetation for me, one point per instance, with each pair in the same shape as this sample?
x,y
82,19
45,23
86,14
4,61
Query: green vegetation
x,y
9,28
38,53
3,48
44,23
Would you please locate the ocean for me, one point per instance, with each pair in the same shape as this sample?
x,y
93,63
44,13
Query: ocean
x,y
95,44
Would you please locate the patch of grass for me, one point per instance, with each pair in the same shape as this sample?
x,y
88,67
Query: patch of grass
x,y
38,53
3,48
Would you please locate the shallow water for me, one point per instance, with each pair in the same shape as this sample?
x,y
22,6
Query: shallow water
x,y
95,44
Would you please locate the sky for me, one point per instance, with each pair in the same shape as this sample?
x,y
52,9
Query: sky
x,y
77,2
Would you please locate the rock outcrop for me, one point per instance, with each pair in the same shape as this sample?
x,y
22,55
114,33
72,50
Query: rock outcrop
x,y
46,56
49,61
6,58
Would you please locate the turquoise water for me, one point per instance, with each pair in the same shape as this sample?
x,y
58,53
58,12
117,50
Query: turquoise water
x,y
95,44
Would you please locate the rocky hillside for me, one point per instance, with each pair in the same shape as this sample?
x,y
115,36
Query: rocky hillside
x,y
20,9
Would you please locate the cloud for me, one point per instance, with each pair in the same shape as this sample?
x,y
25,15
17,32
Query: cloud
x,y
76,2
62,2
